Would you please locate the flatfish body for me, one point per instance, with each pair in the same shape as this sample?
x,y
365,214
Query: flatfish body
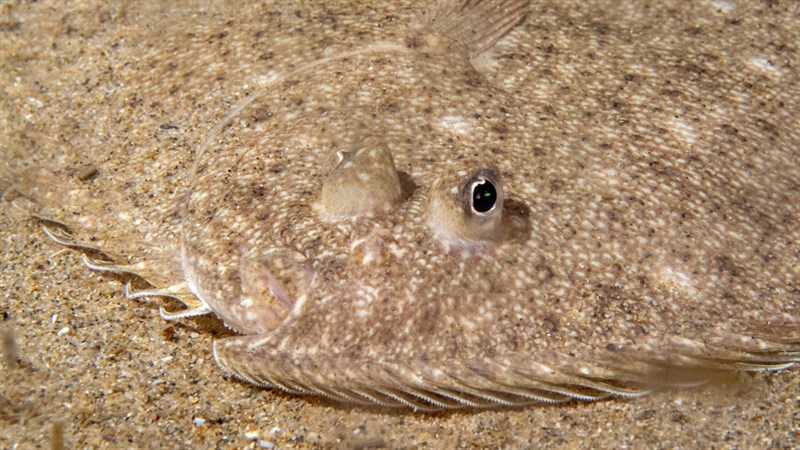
x,y
484,212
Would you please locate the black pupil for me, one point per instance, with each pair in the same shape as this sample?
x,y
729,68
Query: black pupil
x,y
484,196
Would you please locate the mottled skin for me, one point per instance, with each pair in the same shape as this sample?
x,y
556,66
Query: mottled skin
x,y
650,182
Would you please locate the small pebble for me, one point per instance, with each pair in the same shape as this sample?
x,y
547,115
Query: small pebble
x,y
266,444
199,421
251,435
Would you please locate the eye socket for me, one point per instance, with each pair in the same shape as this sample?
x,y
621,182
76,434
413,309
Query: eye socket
x,y
484,196
465,206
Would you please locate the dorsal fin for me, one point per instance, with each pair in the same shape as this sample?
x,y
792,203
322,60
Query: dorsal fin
x,y
474,26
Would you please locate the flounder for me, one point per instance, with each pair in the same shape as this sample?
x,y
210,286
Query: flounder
x,y
450,219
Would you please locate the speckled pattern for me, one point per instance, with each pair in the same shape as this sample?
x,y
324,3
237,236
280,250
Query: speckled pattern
x,y
133,101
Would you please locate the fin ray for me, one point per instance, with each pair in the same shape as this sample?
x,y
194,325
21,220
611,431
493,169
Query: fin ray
x,y
508,380
474,26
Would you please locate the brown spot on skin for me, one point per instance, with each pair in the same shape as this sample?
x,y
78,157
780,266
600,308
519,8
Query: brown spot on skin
x,y
544,272
260,115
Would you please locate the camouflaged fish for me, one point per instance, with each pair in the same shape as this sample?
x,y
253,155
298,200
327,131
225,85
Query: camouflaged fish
x,y
493,209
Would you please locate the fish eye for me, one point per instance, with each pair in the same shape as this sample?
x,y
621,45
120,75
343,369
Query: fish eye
x,y
363,183
484,196
465,206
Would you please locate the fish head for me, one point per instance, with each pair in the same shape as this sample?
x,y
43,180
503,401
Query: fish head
x,y
403,172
